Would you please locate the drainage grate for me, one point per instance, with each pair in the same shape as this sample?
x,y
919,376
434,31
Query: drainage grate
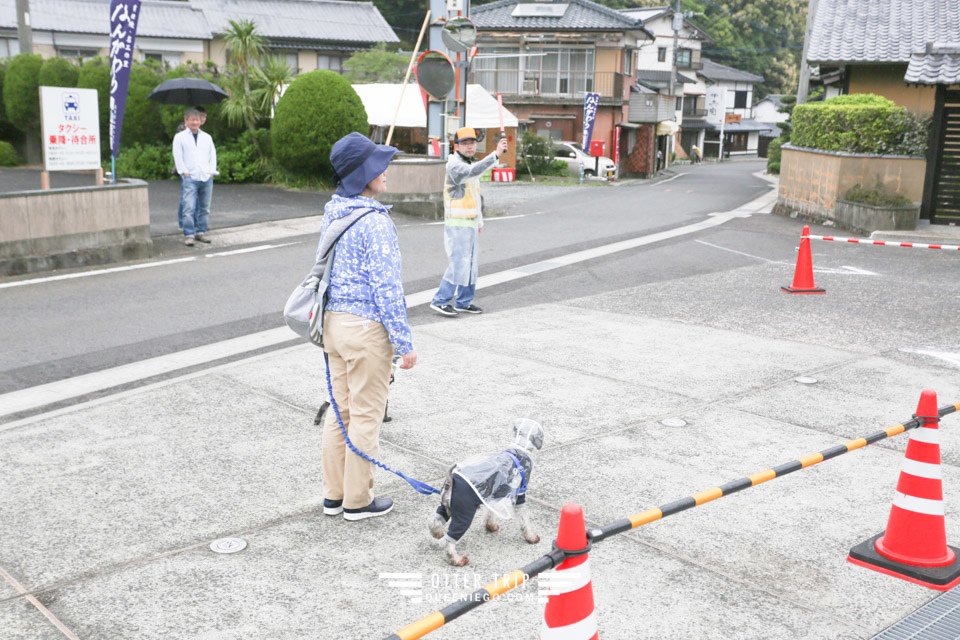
x,y
939,619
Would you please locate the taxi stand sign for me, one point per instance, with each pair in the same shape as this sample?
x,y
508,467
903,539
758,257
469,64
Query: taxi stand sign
x,y
70,122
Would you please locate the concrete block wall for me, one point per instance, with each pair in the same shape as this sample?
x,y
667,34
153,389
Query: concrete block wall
x,y
57,228
811,180
415,186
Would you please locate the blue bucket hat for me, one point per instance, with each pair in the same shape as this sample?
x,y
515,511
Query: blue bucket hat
x,y
357,161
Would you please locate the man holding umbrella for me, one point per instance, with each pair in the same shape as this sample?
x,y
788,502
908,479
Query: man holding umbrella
x,y
196,159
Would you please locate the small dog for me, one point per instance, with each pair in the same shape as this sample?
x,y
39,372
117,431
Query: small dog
x,y
497,481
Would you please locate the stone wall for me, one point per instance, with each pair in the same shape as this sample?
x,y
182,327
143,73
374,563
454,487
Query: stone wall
x,y
812,181
415,186
57,228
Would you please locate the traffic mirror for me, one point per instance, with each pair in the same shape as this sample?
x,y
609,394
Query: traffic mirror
x,y
435,74
459,34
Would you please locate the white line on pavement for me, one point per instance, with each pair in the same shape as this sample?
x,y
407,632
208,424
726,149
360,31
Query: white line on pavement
x,y
249,250
61,390
679,175
98,272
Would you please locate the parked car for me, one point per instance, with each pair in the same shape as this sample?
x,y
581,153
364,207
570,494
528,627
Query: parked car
x,y
572,153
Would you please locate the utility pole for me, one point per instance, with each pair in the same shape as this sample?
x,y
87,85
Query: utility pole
x,y
804,87
677,26
24,32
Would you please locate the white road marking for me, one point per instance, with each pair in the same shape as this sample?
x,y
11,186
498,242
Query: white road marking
x,y
844,270
134,267
952,358
98,272
679,175
249,250
61,390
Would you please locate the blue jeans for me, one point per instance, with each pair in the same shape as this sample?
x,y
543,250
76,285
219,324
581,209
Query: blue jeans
x,y
464,294
195,205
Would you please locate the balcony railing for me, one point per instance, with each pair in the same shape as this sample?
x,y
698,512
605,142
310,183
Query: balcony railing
x,y
550,84
694,113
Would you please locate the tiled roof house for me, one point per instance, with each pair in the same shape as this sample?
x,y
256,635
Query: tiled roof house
x,y
909,52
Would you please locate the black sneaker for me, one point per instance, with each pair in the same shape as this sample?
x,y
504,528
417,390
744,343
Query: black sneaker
x,y
445,310
470,308
332,507
379,507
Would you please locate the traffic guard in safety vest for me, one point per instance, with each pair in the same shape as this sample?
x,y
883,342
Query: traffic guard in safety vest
x,y
462,221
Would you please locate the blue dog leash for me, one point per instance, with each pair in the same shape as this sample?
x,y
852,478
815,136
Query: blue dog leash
x,y
420,487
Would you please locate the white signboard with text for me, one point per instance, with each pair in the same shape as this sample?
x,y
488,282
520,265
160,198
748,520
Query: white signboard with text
x,y
70,123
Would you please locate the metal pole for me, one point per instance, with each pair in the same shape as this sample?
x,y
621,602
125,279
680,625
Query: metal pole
x,y
723,121
677,25
804,87
24,32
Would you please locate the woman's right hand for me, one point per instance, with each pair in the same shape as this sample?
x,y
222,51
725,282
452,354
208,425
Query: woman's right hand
x,y
409,359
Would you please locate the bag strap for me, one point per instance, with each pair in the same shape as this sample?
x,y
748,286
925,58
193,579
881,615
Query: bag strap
x,y
319,267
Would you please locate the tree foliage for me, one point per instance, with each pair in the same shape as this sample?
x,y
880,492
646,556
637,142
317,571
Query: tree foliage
x,y
8,132
58,72
95,74
245,48
21,93
376,65
317,109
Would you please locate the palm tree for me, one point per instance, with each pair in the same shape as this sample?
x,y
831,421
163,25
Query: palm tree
x,y
245,48
268,80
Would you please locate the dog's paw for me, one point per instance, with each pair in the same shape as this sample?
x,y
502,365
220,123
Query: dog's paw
x,y
492,527
438,527
532,538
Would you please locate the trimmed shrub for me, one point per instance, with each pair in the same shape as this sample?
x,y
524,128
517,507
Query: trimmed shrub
x,y
95,74
876,197
147,162
58,72
859,123
773,155
142,123
245,159
536,156
8,132
8,155
317,109
21,94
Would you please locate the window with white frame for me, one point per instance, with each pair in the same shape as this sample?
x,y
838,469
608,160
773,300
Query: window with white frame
x,y
561,71
76,54
9,47
497,69
291,59
330,62
167,60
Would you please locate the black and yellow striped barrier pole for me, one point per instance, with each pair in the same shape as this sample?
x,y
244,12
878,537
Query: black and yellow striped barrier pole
x,y
514,579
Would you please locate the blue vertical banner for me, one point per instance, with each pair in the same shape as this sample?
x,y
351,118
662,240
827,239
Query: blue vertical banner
x,y
123,30
590,103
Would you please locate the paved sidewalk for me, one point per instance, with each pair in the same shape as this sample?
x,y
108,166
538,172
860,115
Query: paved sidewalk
x,y
108,508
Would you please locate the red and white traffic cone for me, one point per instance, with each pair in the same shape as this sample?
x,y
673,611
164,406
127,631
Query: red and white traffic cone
x,y
803,273
914,546
569,612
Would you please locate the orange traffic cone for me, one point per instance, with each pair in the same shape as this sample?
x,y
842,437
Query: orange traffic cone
x,y
803,274
569,612
914,546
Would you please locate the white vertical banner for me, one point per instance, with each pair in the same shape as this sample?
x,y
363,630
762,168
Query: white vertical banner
x,y
70,121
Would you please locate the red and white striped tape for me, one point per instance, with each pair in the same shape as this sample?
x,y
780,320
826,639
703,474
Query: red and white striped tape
x,y
504,174
884,243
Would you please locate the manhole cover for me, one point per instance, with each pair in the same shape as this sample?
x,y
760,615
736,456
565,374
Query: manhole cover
x,y
228,545
674,422
805,380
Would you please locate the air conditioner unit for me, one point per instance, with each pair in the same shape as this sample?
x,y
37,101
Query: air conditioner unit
x,y
529,85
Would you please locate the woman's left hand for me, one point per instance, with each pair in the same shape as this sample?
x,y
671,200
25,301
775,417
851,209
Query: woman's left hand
x,y
409,359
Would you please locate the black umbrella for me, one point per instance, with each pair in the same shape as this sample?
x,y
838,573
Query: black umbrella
x,y
187,91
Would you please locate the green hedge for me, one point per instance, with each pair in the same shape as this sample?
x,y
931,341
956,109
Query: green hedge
x,y
859,123
773,155
237,161
8,155
317,109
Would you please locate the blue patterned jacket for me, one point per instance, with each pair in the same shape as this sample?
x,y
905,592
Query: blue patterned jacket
x,y
365,277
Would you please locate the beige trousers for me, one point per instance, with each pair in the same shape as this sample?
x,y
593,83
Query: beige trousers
x,y
359,351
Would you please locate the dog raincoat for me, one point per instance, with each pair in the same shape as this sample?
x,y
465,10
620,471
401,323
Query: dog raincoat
x,y
497,478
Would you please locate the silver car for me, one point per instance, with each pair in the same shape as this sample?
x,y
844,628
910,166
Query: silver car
x,y
572,153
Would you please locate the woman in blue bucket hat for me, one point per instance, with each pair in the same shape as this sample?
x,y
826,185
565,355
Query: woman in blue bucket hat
x,y
365,323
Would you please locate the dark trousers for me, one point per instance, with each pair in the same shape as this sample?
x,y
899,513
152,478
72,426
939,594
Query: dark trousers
x,y
464,503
